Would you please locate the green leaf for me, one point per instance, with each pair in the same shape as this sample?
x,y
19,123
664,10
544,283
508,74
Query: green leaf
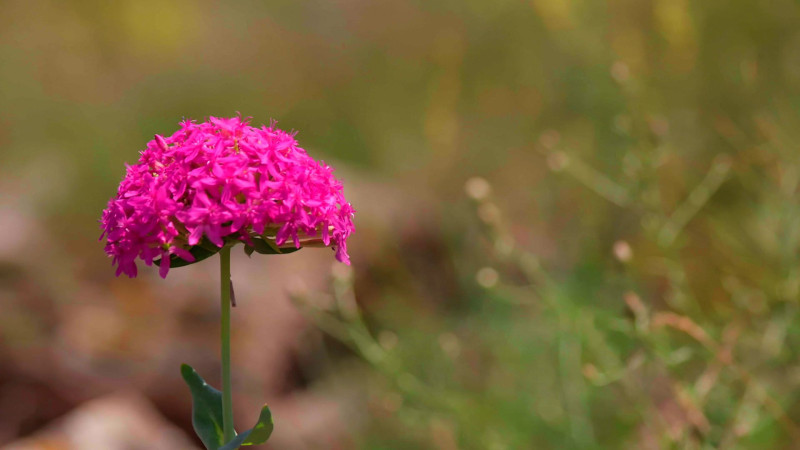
x,y
267,247
262,430
236,442
256,435
206,249
206,409
200,252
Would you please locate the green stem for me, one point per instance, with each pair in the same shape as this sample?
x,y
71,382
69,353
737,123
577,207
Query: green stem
x,y
225,291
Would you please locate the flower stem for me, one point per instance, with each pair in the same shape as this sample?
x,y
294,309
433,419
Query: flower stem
x,y
227,398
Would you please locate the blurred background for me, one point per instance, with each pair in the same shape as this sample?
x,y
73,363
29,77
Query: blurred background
x,y
577,223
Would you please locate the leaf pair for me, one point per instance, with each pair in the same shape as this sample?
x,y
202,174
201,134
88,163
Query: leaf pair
x,y
206,249
207,416
266,247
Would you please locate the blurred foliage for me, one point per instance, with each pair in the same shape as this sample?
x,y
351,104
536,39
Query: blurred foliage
x,y
628,276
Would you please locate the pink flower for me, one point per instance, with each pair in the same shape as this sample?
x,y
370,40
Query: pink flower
x,y
223,181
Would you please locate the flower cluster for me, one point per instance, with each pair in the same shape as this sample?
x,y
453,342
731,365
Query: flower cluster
x,y
223,180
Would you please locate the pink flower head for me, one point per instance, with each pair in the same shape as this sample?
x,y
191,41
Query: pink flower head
x,y
223,181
